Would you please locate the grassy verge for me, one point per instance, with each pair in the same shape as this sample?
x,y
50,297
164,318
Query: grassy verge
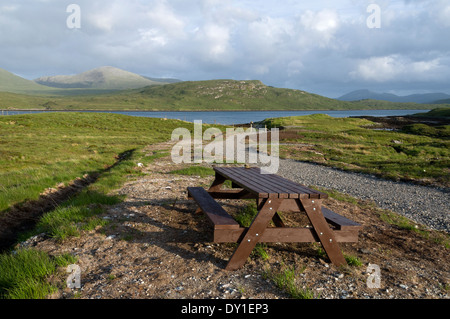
x,y
40,151
419,153
43,150
24,275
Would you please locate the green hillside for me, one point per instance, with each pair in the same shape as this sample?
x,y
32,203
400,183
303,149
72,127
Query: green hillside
x,y
379,105
441,112
10,82
213,95
235,95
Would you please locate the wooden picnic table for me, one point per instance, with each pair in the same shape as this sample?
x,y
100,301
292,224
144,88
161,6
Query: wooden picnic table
x,y
273,194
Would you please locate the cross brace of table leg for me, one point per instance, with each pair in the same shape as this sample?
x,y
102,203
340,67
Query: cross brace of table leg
x,y
267,212
259,224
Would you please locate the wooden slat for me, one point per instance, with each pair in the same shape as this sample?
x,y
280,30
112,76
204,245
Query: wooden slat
x,y
296,187
270,184
247,184
216,214
267,179
247,179
339,221
293,190
239,177
284,235
291,186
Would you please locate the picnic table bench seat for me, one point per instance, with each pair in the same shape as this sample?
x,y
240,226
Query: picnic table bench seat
x,y
339,221
212,209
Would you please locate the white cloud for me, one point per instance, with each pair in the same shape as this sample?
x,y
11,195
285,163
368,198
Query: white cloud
x,y
152,37
323,21
212,43
161,15
322,25
396,67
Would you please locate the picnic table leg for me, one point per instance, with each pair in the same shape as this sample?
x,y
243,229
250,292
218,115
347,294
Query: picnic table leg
x,y
276,219
217,183
254,233
324,232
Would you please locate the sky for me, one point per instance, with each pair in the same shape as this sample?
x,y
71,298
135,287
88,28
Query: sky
x,y
327,47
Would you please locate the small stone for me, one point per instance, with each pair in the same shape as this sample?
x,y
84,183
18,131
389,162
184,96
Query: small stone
x,y
339,275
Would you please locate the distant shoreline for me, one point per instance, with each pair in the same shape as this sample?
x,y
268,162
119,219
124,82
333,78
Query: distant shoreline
x,y
171,111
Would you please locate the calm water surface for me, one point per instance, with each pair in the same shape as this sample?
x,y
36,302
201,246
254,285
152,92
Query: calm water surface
x,y
229,118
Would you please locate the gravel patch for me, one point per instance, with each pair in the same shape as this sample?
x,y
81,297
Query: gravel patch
x,y
425,205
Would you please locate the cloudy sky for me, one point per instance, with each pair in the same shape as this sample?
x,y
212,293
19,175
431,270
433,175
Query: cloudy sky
x,y
328,47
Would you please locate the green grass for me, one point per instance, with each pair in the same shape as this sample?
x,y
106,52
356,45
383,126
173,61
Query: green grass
x,y
194,171
419,153
441,112
24,274
43,150
39,151
353,260
442,132
76,215
285,279
246,215
80,213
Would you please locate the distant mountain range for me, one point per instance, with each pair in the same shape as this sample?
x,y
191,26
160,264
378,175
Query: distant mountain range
x,y
103,78
427,98
106,77
112,88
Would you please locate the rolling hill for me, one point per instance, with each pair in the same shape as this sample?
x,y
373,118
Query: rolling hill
x,y
235,95
107,77
211,95
12,83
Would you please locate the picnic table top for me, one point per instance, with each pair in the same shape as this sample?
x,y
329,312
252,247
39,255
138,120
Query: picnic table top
x,y
267,185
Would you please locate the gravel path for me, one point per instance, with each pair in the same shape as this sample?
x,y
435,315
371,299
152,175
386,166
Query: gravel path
x,y
425,205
